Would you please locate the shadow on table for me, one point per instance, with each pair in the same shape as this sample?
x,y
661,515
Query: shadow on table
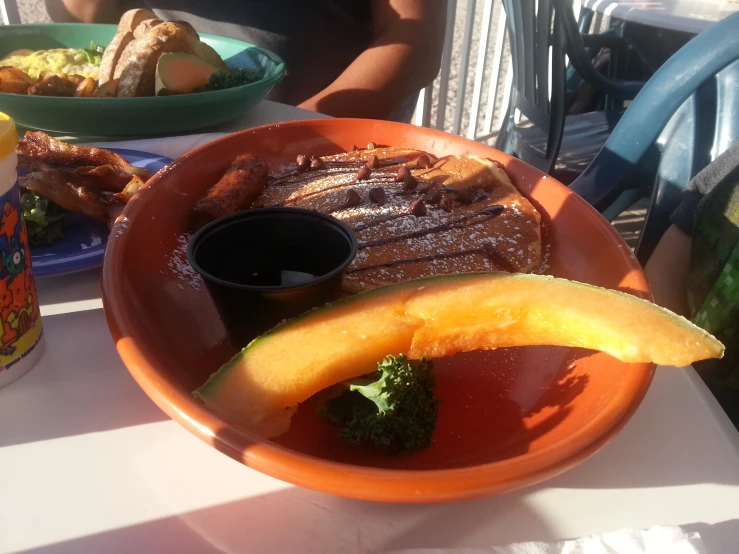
x,y
719,538
65,289
60,399
669,433
298,520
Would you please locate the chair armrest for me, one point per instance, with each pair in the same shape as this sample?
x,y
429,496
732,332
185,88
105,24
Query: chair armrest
x,y
701,59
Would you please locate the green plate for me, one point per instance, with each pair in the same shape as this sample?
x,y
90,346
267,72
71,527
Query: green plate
x,y
146,116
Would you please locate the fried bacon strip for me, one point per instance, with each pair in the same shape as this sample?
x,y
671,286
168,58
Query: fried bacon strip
x,y
106,177
69,191
40,146
235,191
103,178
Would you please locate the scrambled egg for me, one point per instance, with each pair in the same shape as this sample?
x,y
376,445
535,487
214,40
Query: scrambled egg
x,y
72,61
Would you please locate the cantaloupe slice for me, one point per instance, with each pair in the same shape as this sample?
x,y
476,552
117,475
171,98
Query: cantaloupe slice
x,y
181,74
261,386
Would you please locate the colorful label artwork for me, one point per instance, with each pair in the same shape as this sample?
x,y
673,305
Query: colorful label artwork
x,y
19,310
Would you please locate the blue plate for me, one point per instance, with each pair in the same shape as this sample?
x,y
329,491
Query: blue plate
x,y
83,244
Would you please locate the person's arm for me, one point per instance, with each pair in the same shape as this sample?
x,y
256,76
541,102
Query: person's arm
x,y
85,11
667,270
403,58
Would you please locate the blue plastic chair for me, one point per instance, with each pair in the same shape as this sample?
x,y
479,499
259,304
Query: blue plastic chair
x,y
536,30
684,117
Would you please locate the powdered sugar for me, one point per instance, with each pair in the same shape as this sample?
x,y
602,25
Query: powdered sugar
x,y
395,244
179,265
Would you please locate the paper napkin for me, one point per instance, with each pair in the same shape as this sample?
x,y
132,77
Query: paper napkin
x,y
655,540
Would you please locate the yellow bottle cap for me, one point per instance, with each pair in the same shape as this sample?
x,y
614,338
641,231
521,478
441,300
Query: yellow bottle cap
x,y
8,135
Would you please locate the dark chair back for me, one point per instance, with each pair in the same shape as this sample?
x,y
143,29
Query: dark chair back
x,y
540,34
531,34
701,129
684,117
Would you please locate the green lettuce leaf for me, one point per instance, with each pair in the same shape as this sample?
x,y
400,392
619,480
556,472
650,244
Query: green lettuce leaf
x,y
44,219
94,53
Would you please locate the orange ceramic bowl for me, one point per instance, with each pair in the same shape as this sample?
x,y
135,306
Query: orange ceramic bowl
x,y
508,418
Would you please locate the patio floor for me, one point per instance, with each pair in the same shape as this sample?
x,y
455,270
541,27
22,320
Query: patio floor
x,y
629,223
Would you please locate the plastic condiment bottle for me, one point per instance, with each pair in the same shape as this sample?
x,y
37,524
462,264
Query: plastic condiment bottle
x,y
21,335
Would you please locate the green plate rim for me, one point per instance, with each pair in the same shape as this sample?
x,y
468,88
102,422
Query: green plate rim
x,y
276,76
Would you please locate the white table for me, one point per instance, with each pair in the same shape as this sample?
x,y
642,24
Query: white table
x,y
263,113
88,464
689,16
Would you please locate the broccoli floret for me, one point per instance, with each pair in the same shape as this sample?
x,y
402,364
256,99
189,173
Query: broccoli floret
x,y
394,408
223,79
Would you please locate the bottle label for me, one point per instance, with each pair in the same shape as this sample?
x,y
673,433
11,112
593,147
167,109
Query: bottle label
x,y
19,309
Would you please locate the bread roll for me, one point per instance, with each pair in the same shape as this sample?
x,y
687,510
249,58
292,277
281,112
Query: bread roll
x,y
129,21
136,69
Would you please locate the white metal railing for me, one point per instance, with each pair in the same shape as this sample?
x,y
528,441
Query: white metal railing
x,y
9,12
477,116
446,104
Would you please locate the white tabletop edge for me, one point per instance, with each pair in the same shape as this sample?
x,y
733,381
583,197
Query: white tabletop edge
x,y
677,15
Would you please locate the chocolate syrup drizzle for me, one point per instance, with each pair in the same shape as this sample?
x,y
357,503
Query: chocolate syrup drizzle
x,y
338,164
307,176
459,223
486,251
486,214
378,177
380,221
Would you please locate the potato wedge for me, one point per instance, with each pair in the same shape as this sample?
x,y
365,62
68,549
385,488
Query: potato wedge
x,y
128,22
12,86
86,88
20,74
106,90
14,80
74,79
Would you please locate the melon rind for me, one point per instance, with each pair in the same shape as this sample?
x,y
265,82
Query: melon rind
x,y
181,73
261,387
